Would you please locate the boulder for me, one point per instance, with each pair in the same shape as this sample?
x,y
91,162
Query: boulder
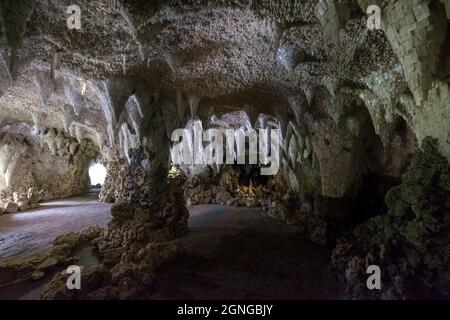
x,y
24,205
11,207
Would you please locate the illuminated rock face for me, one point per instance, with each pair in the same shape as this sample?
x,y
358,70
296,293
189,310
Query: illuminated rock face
x,y
47,166
351,103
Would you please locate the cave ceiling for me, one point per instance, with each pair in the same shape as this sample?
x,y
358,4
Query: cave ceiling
x,y
288,59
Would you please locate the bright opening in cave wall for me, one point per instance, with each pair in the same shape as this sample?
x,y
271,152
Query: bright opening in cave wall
x,y
97,174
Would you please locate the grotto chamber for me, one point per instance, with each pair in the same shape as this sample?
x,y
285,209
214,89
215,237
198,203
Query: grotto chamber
x,y
227,150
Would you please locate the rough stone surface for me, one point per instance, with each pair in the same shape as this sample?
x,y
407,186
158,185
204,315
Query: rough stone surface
x,y
410,243
26,160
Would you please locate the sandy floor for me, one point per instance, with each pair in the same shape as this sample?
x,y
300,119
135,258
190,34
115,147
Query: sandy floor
x,y
25,233
233,253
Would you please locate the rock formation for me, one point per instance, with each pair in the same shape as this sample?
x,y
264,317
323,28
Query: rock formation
x,y
27,159
411,240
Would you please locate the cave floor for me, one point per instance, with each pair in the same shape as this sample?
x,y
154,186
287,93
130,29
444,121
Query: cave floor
x,y
25,233
242,253
232,253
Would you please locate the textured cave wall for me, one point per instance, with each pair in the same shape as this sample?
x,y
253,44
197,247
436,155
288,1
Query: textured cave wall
x,y
417,32
13,19
47,166
149,212
410,243
111,188
331,144
124,112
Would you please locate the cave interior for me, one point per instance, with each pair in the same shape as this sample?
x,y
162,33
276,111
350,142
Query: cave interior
x,y
113,157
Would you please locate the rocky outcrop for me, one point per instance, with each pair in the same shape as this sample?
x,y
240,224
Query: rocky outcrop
x,y
62,254
122,282
206,188
411,242
274,197
111,188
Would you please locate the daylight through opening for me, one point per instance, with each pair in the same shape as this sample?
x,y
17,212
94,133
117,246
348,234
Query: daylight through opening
x,y
97,174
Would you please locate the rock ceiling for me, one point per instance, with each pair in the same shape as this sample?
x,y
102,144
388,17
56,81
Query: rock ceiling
x,y
302,60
